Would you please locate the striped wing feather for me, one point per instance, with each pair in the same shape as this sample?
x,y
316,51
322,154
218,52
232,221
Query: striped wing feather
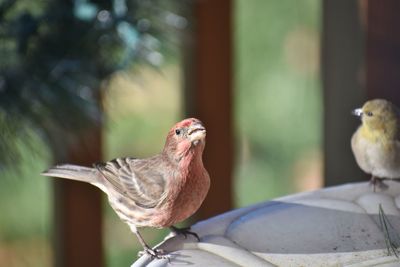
x,y
139,180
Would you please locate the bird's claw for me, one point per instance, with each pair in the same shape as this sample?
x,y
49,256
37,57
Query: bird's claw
x,y
185,232
154,253
376,181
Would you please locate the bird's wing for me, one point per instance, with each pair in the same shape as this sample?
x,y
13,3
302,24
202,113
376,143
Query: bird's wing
x,y
139,180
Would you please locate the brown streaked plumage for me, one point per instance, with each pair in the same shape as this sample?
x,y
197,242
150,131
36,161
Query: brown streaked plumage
x,y
154,192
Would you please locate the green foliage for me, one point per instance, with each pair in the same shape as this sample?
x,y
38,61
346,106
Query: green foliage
x,y
278,110
56,54
25,195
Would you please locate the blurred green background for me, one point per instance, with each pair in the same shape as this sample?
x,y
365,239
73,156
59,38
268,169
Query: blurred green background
x,y
277,119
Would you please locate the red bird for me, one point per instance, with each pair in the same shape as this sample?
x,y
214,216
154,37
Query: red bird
x,y
159,191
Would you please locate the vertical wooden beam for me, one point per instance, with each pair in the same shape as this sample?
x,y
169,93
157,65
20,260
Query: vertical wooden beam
x,y
208,91
78,206
78,227
383,50
342,59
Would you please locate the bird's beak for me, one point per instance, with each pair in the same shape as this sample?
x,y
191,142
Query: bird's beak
x,y
357,112
196,132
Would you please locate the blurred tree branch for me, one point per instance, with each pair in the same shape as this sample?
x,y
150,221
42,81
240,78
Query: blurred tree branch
x,y
55,54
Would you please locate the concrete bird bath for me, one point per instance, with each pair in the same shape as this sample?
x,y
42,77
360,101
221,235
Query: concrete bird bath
x,y
336,226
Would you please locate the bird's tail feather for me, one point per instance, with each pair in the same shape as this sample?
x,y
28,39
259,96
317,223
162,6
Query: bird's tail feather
x,y
73,172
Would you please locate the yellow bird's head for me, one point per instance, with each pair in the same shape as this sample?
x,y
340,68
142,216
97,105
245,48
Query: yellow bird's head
x,y
379,119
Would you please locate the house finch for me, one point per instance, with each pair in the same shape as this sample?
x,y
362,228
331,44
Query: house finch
x,y
376,144
154,192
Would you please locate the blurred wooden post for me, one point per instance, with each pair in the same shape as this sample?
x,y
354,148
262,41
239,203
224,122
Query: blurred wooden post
x,y
208,88
78,206
342,59
383,50
78,227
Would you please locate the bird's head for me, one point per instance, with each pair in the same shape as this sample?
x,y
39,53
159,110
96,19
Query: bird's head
x,y
186,136
379,115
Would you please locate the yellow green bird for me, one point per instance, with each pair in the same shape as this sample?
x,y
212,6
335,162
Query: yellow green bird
x,y
376,144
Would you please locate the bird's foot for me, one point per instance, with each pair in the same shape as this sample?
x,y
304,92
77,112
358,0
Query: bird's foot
x,y
154,253
376,181
184,231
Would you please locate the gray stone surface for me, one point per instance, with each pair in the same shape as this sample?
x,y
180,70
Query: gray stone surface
x,y
336,226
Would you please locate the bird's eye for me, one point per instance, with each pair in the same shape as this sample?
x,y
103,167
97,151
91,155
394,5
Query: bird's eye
x,y
177,131
369,114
